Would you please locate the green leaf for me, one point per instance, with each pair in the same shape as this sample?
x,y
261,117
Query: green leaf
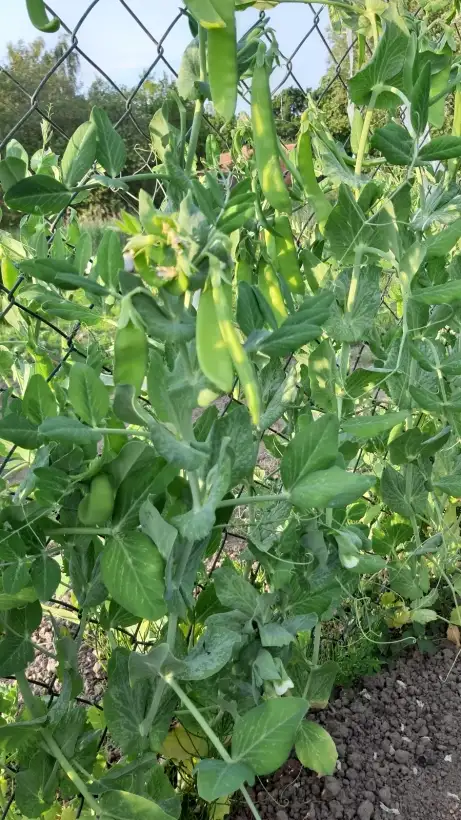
x,y
125,704
138,473
441,243
173,450
189,72
404,582
249,316
109,258
12,170
455,616
273,634
346,227
321,682
385,65
67,430
288,338
450,484
205,13
242,448
88,395
441,148
393,492
45,575
16,650
420,99
120,805
216,779
212,652
20,431
315,748
314,447
264,736
364,427
235,592
132,570
395,143
110,147
330,488
444,294
159,530
79,155
322,376
40,195
39,402
32,796
423,616
363,380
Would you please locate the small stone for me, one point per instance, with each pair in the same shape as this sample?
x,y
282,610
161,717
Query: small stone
x,y
385,795
402,756
281,815
365,810
331,789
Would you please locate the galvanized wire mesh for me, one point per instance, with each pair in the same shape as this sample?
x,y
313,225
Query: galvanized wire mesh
x,y
339,70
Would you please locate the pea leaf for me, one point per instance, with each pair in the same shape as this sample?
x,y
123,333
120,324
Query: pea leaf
x,y
45,575
346,226
189,72
31,796
315,748
450,484
314,447
264,736
363,427
87,394
216,778
322,376
321,682
109,258
120,805
132,570
395,143
79,155
160,531
441,148
40,195
20,431
12,170
385,65
235,592
39,402
67,430
329,488
444,294
125,704
211,653
110,147
424,616
420,99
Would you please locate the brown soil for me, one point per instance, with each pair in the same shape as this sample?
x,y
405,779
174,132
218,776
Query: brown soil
x,y
399,741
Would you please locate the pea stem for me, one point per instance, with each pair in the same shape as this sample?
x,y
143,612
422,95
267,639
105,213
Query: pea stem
x,y
243,500
161,684
315,655
80,531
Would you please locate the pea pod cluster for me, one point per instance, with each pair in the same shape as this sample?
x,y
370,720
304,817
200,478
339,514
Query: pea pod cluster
x,y
265,137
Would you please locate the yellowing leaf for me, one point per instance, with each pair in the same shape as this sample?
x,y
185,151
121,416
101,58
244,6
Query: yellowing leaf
x,y
182,745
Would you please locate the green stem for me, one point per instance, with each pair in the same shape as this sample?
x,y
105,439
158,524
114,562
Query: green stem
x,y
364,135
343,370
315,655
211,735
122,431
161,684
198,111
244,500
53,747
195,490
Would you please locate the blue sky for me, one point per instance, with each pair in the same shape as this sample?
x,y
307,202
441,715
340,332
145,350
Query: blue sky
x,y
112,38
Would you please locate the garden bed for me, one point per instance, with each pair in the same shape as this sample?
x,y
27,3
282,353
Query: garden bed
x,y
398,736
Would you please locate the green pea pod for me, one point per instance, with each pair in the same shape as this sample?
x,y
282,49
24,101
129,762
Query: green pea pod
x,y
131,356
456,131
222,60
286,255
265,137
321,205
242,363
212,353
39,18
269,286
97,506
205,13
244,268
10,273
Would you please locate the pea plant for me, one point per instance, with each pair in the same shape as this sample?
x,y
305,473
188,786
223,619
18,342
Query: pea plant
x,y
127,453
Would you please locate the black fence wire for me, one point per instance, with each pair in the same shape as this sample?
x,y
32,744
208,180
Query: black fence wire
x,y
338,72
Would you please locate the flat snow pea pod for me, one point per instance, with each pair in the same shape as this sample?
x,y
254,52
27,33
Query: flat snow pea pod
x,y
222,60
269,286
39,18
213,356
131,356
265,137
242,363
286,255
10,273
97,506
305,163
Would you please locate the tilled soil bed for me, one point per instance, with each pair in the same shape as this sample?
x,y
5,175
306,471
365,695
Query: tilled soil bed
x,y
399,742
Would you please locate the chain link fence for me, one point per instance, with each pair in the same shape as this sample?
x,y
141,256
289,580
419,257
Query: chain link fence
x,y
68,342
